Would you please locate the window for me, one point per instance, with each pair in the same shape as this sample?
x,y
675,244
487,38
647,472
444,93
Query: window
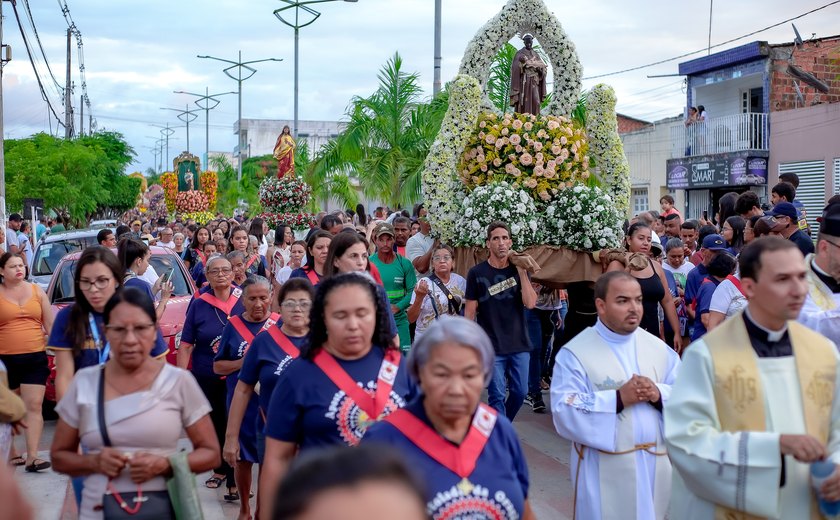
x,y
837,175
640,200
812,190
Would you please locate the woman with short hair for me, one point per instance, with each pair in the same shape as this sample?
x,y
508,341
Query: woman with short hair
x,y
468,454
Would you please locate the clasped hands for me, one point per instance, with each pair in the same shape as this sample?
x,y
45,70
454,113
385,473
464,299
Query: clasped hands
x,y
142,466
639,389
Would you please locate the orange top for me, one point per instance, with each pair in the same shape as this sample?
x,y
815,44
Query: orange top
x,y
21,329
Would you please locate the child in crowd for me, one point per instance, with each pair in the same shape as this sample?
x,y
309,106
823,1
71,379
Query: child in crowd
x,y
666,203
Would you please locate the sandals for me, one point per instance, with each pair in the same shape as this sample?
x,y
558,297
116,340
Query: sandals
x,y
17,461
214,482
231,496
37,465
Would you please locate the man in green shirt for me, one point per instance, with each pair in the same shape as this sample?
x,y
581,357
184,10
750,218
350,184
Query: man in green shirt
x,y
397,275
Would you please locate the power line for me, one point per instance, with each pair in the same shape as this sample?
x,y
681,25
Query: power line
x,y
38,40
727,42
65,10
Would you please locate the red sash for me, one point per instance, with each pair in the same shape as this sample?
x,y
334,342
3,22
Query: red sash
x,y
371,405
251,261
313,276
460,459
226,307
737,283
201,256
239,324
283,342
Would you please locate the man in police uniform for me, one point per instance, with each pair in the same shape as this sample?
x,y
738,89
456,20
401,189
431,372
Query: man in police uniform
x,y
821,311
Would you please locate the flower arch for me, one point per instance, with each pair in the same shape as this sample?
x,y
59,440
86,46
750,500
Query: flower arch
x,y
527,16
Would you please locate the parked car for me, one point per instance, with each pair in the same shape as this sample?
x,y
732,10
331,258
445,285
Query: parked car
x,y
61,294
51,249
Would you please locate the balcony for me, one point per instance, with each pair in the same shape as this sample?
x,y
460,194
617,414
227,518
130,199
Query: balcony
x,y
733,133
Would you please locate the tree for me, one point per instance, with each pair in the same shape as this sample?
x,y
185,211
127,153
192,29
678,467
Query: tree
x,y
384,144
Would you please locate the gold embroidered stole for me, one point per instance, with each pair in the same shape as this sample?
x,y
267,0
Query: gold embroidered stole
x,y
739,395
817,290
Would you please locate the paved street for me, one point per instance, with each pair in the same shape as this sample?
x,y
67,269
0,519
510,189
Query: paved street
x,y
547,454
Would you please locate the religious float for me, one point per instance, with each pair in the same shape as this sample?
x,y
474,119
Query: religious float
x,y
188,191
562,183
285,198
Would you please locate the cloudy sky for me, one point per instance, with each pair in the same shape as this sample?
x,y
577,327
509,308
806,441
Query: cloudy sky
x,y
137,53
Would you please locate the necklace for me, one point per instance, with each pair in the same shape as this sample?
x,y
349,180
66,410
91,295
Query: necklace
x,y
216,312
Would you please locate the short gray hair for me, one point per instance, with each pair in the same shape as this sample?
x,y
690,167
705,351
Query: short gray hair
x,y
213,259
255,279
233,255
453,329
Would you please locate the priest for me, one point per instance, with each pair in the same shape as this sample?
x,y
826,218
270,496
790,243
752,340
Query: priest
x,y
607,392
821,311
755,402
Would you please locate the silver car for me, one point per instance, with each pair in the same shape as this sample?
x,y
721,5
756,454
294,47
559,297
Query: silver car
x,y
52,248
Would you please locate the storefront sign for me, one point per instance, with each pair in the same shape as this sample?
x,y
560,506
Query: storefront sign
x,y
715,171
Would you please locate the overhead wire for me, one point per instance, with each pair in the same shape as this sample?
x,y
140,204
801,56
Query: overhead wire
x,y
71,24
727,42
31,19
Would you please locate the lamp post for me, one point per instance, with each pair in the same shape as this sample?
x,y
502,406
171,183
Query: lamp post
x,y
239,78
187,116
207,99
294,21
165,133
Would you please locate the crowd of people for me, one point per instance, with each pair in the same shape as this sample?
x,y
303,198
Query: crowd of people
x,y
360,333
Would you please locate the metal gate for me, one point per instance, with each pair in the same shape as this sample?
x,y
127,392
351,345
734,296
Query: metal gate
x,y
812,187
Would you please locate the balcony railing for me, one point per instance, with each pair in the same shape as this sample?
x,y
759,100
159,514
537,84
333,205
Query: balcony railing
x,y
721,134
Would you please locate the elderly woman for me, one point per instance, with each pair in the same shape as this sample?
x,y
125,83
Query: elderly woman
x,y
439,294
237,263
128,416
207,316
236,340
469,455
348,376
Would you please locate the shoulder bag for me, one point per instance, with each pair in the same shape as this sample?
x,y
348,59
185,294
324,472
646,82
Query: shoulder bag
x,y
455,303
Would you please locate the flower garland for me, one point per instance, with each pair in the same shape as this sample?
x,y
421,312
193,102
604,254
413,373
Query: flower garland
x,y
157,204
169,181
298,221
442,191
201,217
611,165
210,186
583,218
540,154
498,201
527,16
286,195
191,201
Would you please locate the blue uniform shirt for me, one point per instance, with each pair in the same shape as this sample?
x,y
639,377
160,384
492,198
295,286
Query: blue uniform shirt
x,y
203,328
264,363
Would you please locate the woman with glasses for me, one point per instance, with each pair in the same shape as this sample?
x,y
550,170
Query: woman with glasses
x,y
347,377
439,294
207,316
237,338
25,316
734,233
127,416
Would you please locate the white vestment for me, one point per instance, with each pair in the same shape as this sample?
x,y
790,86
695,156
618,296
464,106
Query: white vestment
x,y
821,311
584,411
738,468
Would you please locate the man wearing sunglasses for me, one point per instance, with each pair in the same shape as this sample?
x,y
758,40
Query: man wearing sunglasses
x,y
821,311
787,225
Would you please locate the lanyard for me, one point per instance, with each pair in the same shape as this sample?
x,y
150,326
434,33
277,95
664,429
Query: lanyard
x,y
105,351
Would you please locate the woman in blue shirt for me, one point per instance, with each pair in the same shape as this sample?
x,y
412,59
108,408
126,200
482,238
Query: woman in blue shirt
x,y
207,316
236,341
134,256
346,378
467,454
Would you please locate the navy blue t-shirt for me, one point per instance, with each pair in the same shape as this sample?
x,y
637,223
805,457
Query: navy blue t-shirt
x,y
501,312
203,328
233,347
692,282
141,284
498,485
89,355
265,362
308,409
704,300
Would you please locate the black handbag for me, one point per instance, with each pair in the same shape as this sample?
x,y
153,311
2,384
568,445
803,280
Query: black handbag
x,y
454,302
151,505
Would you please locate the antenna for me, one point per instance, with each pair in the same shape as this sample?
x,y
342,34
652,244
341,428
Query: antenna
x,y
799,95
798,39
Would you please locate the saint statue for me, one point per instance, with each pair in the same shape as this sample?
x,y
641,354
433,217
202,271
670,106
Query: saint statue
x,y
188,178
284,152
527,79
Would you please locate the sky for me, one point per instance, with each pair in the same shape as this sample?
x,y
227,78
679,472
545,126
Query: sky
x,y
137,53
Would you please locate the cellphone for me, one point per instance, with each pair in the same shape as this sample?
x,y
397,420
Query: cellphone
x,y
705,215
167,276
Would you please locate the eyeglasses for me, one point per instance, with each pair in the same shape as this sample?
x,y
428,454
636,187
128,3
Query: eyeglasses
x,y
291,305
216,272
138,330
444,258
99,283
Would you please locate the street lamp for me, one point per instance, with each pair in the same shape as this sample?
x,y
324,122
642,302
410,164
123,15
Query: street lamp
x,y
206,98
187,116
239,65
165,133
294,21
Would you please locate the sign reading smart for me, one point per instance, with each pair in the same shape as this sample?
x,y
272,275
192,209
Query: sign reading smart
x,y
715,171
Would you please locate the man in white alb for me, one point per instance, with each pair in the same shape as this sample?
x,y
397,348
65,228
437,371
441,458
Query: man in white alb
x,y
609,385
821,311
755,402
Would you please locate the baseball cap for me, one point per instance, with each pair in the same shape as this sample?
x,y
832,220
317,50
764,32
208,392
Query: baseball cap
x,y
830,220
655,247
784,209
714,243
383,228
136,222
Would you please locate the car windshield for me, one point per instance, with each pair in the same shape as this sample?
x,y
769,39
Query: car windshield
x,y
63,290
49,254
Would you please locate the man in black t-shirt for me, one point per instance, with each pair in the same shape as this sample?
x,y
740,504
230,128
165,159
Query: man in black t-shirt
x,y
786,224
497,295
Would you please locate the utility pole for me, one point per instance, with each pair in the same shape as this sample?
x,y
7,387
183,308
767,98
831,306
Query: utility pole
x,y
436,84
68,109
3,59
81,115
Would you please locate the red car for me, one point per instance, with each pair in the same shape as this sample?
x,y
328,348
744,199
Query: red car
x,y
60,292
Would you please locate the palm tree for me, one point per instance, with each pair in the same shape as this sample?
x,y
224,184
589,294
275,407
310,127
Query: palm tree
x,y
384,144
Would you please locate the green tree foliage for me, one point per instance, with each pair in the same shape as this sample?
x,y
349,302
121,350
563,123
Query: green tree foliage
x,y
78,178
384,144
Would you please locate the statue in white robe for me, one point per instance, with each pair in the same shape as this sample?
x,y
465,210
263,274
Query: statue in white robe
x,y
619,467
